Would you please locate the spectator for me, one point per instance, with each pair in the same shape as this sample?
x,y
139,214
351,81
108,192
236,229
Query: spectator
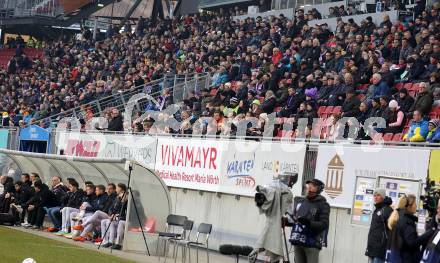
x,y
402,224
396,121
350,108
379,232
404,100
433,132
269,102
115,123
424,100
380,87
418,129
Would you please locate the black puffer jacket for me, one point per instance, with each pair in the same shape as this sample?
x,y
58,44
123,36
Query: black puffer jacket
x,y
404,238
379,232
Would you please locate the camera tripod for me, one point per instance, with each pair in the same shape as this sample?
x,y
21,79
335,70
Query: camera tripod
x,y
130,168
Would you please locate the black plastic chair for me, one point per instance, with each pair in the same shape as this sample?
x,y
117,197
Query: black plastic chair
x,y
173,229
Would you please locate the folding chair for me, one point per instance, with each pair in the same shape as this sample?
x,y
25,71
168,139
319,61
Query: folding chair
x,y
203,230
173,229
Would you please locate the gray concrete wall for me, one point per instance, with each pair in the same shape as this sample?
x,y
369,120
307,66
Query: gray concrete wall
x,y
238,222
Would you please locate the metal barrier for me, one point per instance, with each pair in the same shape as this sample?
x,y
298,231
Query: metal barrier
x,y
27,8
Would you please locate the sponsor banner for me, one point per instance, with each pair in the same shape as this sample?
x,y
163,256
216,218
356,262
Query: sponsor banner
x,y
234,167
4,134
434,166
338,168
132,147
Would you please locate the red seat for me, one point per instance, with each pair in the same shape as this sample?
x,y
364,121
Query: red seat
x,y
377,137
336,110
408,86
415,87
328,111
399,85
397,137
388,137
361,97
321,110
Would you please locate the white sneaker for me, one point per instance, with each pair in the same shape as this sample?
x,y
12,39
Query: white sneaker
x,y
25,224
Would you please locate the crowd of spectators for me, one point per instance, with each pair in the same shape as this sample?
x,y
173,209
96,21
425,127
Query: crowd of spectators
x,y
258,67
94,213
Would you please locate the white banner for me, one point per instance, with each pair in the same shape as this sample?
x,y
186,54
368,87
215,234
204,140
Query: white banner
x,y
339,166
234,167
132,147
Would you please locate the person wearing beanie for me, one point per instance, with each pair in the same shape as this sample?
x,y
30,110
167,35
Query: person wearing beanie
x,y
379,233
433,131
396,121
404,100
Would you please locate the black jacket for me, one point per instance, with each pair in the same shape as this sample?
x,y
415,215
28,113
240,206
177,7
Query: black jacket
x,y
405,103
45,198
74,199
22,196
404,238
109,203
379,232
350,108
98,203
268,106
119,208
116,124
60,192
317,214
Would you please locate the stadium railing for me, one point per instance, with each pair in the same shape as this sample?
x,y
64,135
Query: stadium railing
x,y
179,85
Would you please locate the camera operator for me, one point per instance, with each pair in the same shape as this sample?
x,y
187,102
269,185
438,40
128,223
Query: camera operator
x,y
379,232
309,218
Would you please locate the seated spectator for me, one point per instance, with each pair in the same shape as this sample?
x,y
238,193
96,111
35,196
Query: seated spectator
x,y
269,102
418,129
404,100
396,121
335,130
114,227
380,87
350,107
362,115
8,192
433,132
424,100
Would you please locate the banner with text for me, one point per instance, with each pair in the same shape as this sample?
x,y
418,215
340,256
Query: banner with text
x,y
132,147
234,167
338,168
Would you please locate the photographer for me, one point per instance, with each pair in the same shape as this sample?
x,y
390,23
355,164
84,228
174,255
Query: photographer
x,y
309,217
379,232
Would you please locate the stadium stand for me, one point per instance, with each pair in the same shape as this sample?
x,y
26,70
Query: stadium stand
x,y
260,66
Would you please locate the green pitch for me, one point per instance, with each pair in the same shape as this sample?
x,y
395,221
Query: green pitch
x,y
16,245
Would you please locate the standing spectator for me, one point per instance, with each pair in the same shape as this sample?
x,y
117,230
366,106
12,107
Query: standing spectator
x,y
404,243
379,232
115,123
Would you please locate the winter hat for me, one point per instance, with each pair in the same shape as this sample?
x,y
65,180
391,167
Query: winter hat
x,y
381,192
393,104
256,102
434,122
233,100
